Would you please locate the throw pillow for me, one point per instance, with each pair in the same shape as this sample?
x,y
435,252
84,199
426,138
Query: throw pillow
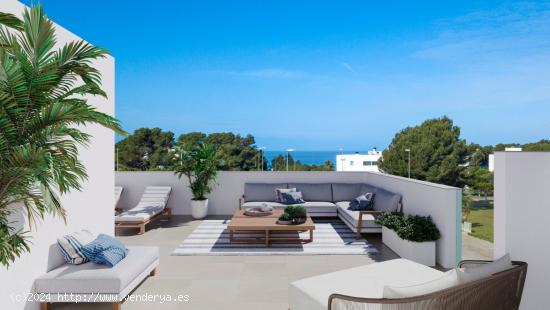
x,y
362,203
292,198
485,270
105,250
71,246
278,192
449,279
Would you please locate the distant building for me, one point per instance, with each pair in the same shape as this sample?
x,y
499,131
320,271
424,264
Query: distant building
x,y
492,156
359,162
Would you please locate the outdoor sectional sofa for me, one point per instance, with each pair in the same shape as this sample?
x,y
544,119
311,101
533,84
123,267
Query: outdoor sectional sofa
x,y
327,200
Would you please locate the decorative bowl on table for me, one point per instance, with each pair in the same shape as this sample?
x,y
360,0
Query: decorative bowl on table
x,y
257,211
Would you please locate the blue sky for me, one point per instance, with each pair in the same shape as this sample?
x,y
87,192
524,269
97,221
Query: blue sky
x,y
323,75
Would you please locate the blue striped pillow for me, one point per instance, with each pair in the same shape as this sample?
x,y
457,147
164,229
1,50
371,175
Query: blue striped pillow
x,y
71,246
105,250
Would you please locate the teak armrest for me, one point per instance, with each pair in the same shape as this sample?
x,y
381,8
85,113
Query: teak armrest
x,y
360,221
241,202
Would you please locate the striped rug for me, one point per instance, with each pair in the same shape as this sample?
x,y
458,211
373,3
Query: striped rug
x,y
330,237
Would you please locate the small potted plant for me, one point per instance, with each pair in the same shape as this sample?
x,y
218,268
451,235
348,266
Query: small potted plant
x,y
410,236
200,165
293,215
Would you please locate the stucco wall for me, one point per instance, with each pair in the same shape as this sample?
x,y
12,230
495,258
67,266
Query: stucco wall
x,y
440,201
90,209
522,217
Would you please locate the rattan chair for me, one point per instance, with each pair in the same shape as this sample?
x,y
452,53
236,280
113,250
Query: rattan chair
x,y
501,291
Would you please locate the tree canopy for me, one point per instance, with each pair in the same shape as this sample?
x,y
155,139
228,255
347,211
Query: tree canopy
x,y
237,153
438,154
153,149
278,163
146,149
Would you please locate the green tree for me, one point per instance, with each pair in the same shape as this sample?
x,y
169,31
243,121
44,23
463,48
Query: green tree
x,y
237,153
540,146
437,152
42,113
146,149
278,163
480,180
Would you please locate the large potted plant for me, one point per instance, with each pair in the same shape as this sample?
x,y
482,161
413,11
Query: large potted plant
x,y
410,236
199,164
44,114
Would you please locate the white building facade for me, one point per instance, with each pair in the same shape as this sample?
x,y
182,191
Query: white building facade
x,y
359,162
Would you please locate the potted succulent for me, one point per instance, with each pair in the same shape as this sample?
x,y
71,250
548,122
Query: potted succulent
x,y
293,215
200,165
410,236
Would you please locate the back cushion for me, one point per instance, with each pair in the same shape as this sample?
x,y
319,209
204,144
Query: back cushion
x,y
262,191
314,191
367,188
386,201
484,270
345,191
449,279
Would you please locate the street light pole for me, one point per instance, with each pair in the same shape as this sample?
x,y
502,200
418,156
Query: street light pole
x,y
287,156
262,148
409,168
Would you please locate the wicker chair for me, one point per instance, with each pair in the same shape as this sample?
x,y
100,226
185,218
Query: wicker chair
x,y
501,291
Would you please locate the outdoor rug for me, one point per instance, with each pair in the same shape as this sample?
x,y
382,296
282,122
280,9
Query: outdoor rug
x,y
330,237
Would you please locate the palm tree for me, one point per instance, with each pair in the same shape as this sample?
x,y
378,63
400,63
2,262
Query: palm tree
x,y
42,111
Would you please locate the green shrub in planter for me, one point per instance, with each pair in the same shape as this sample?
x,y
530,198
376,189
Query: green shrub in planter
x,y
413,228
296,211
391,220
285,217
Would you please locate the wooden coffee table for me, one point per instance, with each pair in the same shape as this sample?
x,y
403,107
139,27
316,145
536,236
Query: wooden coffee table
x,y
264,229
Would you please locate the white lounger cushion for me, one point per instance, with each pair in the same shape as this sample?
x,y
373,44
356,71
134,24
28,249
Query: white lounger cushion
x,y
95,278
153,201
365,281
140,213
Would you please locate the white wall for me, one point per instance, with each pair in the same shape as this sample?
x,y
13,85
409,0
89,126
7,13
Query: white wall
x,y
522,217
441,202
90,209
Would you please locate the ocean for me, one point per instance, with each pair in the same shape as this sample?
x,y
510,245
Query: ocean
x,y
310,157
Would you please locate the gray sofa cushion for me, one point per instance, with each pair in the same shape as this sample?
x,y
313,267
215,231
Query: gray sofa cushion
x,y
94,278
367,188
258,204
386,201
352,217
346,191
316,208
312,207
314,191
262,191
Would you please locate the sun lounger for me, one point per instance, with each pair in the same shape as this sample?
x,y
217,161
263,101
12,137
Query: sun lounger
x,y
151,207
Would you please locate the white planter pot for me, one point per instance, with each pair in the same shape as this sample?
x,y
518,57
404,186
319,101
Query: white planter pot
x,y
420,252
467,227
199,208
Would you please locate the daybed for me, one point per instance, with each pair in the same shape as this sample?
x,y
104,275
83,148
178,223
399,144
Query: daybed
x,y
90,282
